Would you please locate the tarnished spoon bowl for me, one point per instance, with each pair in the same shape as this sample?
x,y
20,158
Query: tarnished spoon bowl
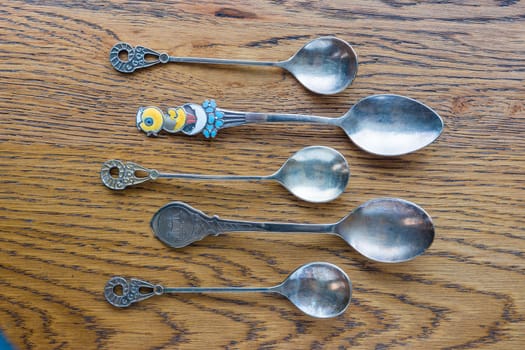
x,y
326,65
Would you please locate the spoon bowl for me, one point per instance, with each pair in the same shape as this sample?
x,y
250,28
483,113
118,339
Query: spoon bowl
x,y
391,125
326,65
318,289
315,174
389,230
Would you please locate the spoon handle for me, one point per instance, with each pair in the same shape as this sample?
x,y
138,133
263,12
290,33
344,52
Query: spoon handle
x,y
135,290
275,227
126,59
178,224
205,60
192,118
130,173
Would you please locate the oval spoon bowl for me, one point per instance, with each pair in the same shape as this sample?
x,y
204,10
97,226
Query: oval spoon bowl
x,y
391,125
389,230
326,65
315,174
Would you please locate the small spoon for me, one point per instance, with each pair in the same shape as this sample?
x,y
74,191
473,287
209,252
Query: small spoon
x,y
315,174
389,230
318,289
326,65
386,125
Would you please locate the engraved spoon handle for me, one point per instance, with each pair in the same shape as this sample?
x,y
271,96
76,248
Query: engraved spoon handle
x,y
178,224
129,173
135,290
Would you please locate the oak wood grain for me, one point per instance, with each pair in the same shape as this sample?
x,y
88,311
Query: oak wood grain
x,y
64,111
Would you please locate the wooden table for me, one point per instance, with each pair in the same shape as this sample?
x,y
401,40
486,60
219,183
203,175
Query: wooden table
x,y
65,110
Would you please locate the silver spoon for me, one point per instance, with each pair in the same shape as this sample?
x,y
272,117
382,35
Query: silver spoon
x,y
326,65
315,174
386,125
318,289
387,230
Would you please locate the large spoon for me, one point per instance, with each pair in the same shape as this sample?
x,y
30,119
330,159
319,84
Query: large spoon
x,y
386,125
387,230
318,289
315,174
326,65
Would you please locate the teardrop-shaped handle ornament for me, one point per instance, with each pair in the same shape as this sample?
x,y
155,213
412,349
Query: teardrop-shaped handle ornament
x,y
126,58
130,292
125,174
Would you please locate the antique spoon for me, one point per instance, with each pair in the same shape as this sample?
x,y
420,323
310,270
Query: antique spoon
x,y
386,125
387,230
315,174
326,65
318,289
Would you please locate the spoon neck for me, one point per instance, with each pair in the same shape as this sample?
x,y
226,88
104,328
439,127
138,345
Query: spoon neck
x,y
250,226
220,290
289,118
231,118
204,60
213,177
299,228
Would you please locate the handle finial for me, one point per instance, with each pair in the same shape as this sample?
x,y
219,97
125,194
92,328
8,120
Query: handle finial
x,y
130,292
127,174
126,58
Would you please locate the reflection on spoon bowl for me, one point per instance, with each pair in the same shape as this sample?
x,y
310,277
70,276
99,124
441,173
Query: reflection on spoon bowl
x,y
326,65
391,125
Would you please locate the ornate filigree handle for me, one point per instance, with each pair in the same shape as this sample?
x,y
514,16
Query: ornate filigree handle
x,y
130,292
125,174
126,58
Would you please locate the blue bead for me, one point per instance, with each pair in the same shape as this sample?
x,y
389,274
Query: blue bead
x,y
213,104
219,123
209,110
205,103
206,133
219,114
211,118
209,127
214,133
